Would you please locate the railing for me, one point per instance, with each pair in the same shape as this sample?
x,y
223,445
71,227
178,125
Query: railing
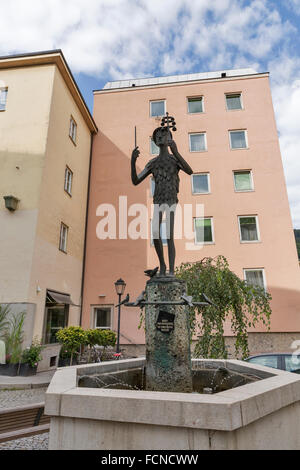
x,y
23,421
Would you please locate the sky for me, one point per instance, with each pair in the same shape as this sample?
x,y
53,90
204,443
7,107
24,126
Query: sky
x,y
106,40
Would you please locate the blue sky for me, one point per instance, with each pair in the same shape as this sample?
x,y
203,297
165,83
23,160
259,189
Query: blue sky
x,y
106,40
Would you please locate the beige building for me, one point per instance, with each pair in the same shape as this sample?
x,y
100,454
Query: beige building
x,y
46,134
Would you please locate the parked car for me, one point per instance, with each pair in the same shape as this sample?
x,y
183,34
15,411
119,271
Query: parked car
x,y
284,361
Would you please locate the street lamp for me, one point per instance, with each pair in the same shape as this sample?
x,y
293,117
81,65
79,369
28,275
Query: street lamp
x,y
120,288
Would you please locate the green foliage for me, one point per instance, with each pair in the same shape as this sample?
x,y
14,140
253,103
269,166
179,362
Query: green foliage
x,y
100,337
235,300
32,355
4,324
71,338
14,337
297,238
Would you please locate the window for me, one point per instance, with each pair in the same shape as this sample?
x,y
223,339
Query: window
x,y
268,361
248,228
243,180
200,183
157,108
234,101
152,186
255,277
102,317
203,230
292,363
68,180
197,142
73,130
154,149
195,105
163,233
3,98
63,237
238,140
56,318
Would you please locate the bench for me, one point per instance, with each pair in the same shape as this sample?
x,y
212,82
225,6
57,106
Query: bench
x,y
23,421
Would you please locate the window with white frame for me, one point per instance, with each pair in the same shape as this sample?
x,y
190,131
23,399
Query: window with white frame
x,y
68,180
157,108
197,142
234,101
203,227
3,98
73,130
243,180
63,237
102,317
238,139
163,233
200,183
249,231
154,149
195,105
255,277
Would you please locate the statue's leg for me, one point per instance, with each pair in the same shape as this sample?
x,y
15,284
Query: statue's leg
x,y
156,224
170,221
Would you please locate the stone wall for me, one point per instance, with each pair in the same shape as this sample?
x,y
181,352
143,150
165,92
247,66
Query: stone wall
x,y
258,343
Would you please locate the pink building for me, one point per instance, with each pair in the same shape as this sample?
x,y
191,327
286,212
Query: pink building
x,y
227,133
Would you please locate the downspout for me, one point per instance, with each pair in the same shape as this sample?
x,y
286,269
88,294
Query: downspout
x,y
85,230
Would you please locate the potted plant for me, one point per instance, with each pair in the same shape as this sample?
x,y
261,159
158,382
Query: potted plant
x,y
71,339
13,338
98,341
30,358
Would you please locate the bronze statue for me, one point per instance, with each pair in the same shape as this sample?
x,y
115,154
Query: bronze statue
x,y
164,169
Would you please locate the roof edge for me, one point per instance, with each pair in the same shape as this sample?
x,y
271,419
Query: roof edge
x,y
175,83
57,58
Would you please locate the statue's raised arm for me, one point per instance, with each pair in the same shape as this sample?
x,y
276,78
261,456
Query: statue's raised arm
x,y
135,178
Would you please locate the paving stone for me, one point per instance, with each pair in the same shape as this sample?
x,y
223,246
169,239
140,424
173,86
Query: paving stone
x,y
12,398
39,442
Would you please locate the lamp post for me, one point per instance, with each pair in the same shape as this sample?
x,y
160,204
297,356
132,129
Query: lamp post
x,y
120,288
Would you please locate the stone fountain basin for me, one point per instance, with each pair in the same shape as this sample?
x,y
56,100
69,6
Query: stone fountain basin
x,y
263,414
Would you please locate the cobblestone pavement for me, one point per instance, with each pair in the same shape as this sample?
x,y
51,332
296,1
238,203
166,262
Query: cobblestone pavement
x,y
39,442
12,398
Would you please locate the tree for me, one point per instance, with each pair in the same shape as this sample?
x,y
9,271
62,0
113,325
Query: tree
x,y
245,305
71,338
98,337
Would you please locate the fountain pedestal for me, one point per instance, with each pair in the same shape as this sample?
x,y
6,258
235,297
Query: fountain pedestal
x,y
168,357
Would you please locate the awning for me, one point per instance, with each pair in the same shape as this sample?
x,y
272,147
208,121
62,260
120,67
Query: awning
x,y
59,298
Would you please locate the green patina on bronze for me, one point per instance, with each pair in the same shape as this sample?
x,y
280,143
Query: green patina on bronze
x,y
168,358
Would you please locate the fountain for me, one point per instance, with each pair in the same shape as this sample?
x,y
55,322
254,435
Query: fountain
x,y
166,400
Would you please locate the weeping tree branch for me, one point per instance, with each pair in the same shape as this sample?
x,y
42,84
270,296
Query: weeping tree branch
x,y
243,304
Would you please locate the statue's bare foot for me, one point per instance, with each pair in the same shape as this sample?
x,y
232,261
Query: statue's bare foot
x,y
162,271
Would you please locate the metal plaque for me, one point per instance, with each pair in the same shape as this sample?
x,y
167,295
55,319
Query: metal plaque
x,y
165,322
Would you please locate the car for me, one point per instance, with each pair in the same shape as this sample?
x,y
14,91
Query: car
x,y
284,361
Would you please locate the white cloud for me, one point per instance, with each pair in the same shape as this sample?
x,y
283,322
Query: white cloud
x,y
286,97
123,36
129,38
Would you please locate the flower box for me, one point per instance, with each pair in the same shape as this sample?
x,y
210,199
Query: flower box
x,y
27,370
9,369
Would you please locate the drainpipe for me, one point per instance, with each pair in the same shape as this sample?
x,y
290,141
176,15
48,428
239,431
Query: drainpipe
x,y
85,230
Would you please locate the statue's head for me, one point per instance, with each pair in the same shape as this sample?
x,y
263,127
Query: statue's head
x,y
162,136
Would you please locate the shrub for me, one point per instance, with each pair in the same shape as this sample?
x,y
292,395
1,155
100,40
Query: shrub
x,y
71,338
99,337
32,355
